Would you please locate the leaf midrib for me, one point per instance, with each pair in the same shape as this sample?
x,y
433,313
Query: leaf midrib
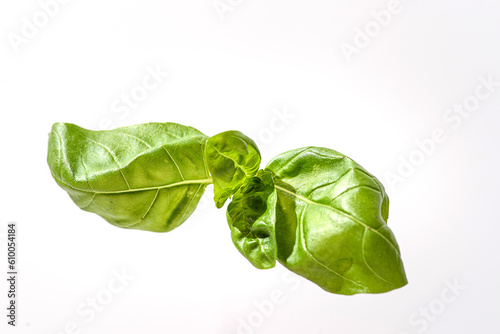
x,y
171,185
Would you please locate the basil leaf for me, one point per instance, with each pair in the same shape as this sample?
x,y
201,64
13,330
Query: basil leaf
x,y
331,217
147,176
251,217
231,158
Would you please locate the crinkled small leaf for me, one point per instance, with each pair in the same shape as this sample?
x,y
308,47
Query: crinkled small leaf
x,y
147,176
331,223
251,217
231,158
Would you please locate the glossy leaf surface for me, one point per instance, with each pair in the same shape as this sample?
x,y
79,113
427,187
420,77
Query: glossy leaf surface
x,y
231,158
331,223
147,176
251,217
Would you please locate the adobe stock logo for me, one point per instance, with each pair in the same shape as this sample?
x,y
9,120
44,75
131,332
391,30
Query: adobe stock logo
x,y
132,99
364,37
426,315
88,310
31,26
222,7
282,117
265,308
427,146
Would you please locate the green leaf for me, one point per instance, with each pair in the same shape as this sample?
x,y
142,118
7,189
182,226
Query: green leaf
x,y
147,176
231,158
331,223
251,217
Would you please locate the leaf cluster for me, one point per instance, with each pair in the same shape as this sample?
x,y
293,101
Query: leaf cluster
x,y
314,210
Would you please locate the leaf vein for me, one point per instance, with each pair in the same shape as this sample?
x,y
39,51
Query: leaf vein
x,y
290,161
113,156
304,245
345,214
352,188
189,204
86,205
173,160
137,138
86,172
147,212
364,258
225,156
330,183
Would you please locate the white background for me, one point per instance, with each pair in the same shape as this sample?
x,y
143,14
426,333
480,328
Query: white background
x,y
236,70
